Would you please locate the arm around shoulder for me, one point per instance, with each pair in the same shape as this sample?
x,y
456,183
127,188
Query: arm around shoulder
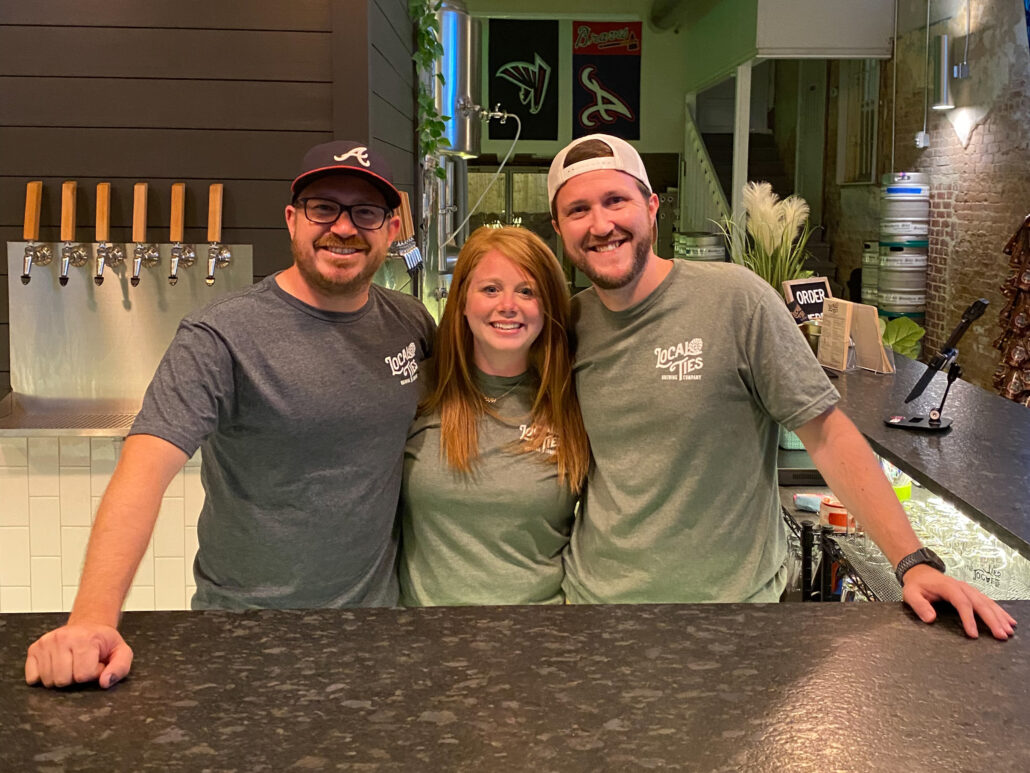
x,y
89,646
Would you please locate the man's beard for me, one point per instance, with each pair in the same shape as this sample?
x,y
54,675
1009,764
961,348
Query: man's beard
x,y
641,252
307,266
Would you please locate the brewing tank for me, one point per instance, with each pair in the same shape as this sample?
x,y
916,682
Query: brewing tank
x,y
460,67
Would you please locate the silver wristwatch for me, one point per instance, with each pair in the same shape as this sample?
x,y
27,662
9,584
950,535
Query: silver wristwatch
x,y
921,556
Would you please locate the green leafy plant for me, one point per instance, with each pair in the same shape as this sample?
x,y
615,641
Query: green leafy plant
x,y
428,51
902,335
773,241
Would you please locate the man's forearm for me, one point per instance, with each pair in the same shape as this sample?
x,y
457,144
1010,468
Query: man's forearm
x,y
850,469
125,521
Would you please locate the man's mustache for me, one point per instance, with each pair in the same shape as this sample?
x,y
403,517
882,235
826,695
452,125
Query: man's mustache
x,y
331,240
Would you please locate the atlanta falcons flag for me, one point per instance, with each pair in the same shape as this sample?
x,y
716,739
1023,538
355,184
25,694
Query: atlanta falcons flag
x,y
523,62
606,78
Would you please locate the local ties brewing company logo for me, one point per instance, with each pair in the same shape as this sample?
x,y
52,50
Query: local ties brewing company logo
x,y
403,364
529,431
680,360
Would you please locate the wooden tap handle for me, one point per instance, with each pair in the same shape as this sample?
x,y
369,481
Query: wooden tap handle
x,y
68,189
139,213
214,212
407,225
178,212
33,201
103,212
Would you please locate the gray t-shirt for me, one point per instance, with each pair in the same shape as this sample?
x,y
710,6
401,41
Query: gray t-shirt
x,y
493,536
681,395
301,415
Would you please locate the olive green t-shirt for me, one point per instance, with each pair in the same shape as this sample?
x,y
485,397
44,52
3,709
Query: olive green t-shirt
x,y
681,395
492,536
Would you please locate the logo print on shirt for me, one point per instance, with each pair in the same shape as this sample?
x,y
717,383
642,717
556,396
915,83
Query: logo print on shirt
x,y
361,154
528,431
680,360
403,364
606,103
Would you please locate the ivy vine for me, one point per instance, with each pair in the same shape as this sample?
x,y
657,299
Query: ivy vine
x,y
428,51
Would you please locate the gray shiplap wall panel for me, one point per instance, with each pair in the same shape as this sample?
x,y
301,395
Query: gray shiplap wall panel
x,y
154,153
159,103
104,52
391,125
350,71
223,14
392,87
388,86
400,161
386,41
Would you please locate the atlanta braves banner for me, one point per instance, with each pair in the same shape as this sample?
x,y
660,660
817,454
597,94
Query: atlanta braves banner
x,y
523,63
606,78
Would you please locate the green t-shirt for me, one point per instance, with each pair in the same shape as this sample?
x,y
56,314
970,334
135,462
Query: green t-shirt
x,y
492,536
681,395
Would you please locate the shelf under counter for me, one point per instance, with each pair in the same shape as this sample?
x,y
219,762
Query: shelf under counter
x,y
981,463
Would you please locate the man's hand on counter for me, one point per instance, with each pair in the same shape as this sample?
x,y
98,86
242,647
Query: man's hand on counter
x,y
78,653
925,585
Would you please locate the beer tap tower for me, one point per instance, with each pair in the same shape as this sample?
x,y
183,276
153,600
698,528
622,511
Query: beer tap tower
x,y
34,253
143,255
182,254
72,253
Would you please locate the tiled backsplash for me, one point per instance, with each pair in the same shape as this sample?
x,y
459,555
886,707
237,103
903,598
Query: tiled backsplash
x,y
49,491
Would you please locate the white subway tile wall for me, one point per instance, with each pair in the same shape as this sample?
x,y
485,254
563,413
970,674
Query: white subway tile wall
x,y
50,489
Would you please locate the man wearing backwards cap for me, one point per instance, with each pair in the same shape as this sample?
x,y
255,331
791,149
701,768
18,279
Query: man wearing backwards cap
x,y
299,390
684,371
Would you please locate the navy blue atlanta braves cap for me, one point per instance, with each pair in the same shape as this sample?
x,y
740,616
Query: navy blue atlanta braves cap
x,y
347,157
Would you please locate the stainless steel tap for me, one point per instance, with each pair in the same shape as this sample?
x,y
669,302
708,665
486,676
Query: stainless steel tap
x,y
107,254
218,255
143,255
39,254
182,254
72,253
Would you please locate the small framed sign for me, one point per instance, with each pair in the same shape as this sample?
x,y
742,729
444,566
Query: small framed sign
x,y
809,294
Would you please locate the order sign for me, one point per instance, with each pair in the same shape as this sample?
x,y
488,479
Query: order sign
x,y
809,294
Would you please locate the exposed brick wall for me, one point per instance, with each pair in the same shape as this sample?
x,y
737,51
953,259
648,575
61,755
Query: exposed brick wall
x,y
979,193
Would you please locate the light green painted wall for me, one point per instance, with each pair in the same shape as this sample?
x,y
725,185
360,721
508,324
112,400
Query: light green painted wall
x,y
718,36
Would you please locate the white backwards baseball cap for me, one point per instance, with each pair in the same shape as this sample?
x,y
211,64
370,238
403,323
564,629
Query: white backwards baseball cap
x,y
624,158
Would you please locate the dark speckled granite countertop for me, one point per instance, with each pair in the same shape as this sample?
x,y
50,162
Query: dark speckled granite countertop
x,y
787,687
981,464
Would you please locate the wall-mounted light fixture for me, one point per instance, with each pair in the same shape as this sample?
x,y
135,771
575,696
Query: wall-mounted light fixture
x,y
941,75
961,70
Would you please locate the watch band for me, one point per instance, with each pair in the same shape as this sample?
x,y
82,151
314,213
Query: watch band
x,y
921,556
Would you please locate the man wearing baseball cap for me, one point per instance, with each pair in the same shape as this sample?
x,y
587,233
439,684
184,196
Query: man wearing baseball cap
x,y
684,370
299,391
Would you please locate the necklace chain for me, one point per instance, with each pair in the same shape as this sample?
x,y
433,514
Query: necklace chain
x,y
505,393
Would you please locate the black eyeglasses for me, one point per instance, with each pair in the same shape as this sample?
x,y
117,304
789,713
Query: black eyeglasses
x,y
326,212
